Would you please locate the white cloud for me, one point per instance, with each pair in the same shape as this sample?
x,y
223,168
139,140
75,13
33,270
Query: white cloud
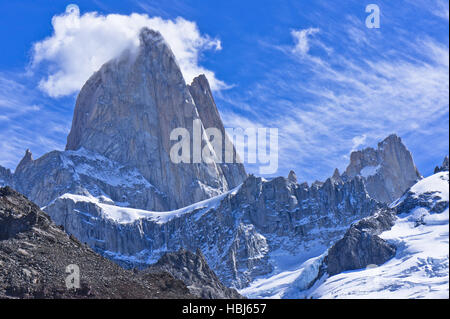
x,y
80,44
358,141
301,38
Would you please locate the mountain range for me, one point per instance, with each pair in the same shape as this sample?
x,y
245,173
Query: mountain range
x,y
116,189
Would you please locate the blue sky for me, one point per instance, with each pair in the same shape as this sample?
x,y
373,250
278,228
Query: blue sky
x,y
310,68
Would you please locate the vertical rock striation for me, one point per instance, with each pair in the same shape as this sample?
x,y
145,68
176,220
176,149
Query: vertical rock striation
x,y
127,110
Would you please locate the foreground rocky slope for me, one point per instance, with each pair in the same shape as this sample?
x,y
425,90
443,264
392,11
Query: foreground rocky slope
x,y
193,270
34,254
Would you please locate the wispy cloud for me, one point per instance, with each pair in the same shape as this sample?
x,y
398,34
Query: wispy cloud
x,y
352,96
26,122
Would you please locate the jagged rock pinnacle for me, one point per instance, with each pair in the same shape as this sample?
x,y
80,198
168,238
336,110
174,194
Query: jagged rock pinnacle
x,y
27,158
292,177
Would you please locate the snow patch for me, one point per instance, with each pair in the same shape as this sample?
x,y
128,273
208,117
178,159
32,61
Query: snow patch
x,y
369,171
125,215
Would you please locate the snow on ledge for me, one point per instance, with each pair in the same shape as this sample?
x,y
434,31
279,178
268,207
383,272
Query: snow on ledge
x,y
125,215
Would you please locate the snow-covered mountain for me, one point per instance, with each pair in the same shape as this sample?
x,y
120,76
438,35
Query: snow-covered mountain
x,y
398,252
257,230
115,189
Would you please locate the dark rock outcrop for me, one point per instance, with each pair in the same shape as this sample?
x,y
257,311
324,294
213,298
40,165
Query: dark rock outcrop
x,y
292,177
34,254
361,246
444,167
193,270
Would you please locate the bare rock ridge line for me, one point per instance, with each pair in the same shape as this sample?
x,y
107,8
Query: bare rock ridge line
x,y
194,271
127,110
444,167
238,233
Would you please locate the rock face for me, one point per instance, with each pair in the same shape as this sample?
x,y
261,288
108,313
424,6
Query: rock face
x,y
193,270
443,167
361,246
388,171
34,254
237,232
127,110
408,242
86,173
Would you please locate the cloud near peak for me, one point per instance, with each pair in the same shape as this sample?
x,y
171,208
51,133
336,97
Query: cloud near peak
x,y
81,44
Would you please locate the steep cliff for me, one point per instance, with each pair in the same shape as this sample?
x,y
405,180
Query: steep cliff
x,y
194,271
401,252
127,110
388,170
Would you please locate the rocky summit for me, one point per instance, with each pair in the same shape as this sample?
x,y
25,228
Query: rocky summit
x,y
35,254
119,144
388,170
127,110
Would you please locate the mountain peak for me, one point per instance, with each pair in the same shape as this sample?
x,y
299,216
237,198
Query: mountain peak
x,y
150,37
292,177
27,158
388,170
127,110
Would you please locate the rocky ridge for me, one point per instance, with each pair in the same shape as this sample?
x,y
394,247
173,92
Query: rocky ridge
x,y
237,232
194,271
34,254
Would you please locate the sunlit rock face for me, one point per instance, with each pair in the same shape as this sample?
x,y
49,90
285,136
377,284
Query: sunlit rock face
x,y
127,110
388,170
